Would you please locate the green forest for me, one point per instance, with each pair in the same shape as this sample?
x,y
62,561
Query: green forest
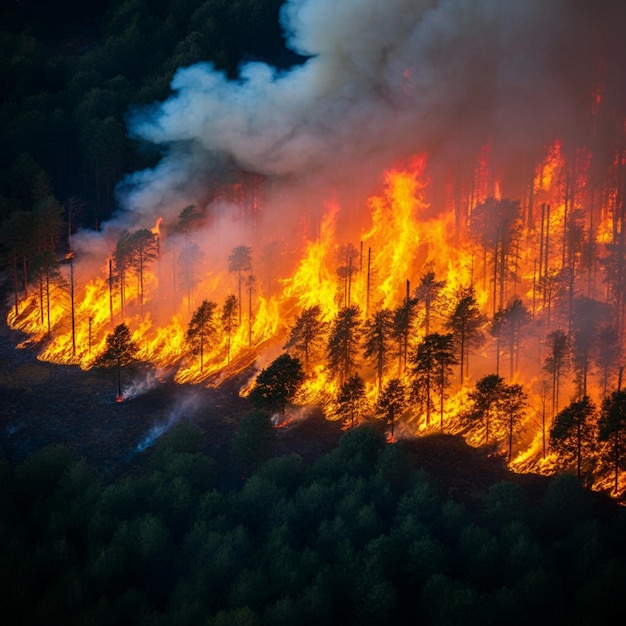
x,y
357,536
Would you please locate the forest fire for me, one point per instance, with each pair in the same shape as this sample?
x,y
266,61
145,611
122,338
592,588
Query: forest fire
x,y
501,260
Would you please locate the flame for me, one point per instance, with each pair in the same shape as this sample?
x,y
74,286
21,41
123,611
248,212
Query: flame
x,y
405,235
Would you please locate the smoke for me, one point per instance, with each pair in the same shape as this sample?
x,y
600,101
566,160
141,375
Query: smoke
x,y
381,81
141,385
185,407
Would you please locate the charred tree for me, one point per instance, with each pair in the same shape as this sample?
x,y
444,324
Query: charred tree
x,y
376,342
239,262
343,343
229,321
202,329
572,434
307,335
431,370
351,400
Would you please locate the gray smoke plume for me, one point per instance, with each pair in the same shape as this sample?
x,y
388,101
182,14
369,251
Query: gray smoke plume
x,y
383,80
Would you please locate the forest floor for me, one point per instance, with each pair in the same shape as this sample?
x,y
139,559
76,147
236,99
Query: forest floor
x,y
44,403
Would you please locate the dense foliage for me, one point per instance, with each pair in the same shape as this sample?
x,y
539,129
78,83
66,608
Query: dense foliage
x,y
70,72
356,537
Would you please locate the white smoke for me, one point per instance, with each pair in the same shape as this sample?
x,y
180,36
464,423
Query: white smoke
x,y
381,81
186,405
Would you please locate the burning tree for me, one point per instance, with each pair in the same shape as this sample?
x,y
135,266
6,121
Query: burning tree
x,y
277,384
307,334
427,293
509,322
556,362
351,399
144,248
612,432
403,317
432,368
120,351
493,399
377,337
239,262
229,322
343,342
572,435
202,329
466,323
495,225
392,402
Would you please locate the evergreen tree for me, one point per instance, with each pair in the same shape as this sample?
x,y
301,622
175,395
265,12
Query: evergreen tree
x,y
120,350
239,262
343,343
392,402
307,335
612,431
144,248
466,323
403,317
202,329
351,400
428,292
229,321
572,434
556,362
432,368
277,384
377,337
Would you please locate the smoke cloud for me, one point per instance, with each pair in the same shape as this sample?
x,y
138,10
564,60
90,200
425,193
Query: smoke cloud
x,y
382,81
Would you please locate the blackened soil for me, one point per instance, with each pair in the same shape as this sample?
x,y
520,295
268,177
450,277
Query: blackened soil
x,y
43,403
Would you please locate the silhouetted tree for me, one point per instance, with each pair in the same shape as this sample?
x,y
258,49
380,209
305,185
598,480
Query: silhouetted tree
x,y
277,384
427,292
485,400
187,219
16,238
495,225
307,335
240,261
144,249
512,405
188,260
250,286
47,272
587,318
343,342
572,434
432,368
351,399
403,318
121,260
229,322
607,351
556,362
392,402
509,322
376,340
612,432
120,351
202,329
347,256
466,323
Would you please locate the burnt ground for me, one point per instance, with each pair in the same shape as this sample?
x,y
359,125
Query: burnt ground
x,y
43,403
